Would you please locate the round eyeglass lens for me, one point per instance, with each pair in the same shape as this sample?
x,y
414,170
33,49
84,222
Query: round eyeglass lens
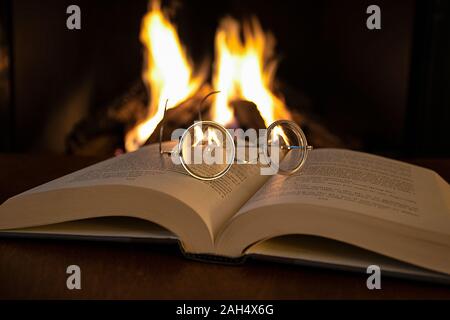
x,y
206,150
286,146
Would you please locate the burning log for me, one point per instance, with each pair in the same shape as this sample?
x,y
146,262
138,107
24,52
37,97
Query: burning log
x,y
103,132
247,115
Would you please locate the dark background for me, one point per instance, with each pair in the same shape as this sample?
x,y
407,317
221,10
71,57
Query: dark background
x,y
388,88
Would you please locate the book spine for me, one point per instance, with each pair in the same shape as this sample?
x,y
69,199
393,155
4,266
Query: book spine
x,y
211,258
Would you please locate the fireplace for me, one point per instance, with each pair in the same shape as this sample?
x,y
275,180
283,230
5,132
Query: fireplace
x,y
93,91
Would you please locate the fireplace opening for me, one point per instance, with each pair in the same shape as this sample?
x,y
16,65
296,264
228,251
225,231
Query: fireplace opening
x,y
101,90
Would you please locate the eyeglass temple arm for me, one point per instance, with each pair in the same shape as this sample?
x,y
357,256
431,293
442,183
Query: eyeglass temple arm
x,y
161,131
200,107
308,148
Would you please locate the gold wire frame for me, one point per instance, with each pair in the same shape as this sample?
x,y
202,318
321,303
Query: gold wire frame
x,y
292,125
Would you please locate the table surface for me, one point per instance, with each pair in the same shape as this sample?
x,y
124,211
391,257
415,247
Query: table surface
x,y
36,269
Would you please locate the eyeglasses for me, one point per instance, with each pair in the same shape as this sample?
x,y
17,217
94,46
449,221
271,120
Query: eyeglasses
x,y
207,150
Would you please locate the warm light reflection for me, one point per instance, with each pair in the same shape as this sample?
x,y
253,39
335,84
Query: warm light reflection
x,y
209,136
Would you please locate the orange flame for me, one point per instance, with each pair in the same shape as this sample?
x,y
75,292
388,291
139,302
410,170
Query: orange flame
x,y
245,69
167,73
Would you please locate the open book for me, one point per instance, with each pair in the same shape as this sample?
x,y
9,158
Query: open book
x,y
345,209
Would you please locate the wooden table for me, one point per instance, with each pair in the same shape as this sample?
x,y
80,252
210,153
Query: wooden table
x,y
36,269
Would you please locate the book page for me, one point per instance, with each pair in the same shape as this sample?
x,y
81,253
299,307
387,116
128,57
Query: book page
x,y
113,228
366,184
317,251
215,201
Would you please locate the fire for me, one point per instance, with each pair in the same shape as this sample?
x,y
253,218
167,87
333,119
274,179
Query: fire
x,y
245,69
168,73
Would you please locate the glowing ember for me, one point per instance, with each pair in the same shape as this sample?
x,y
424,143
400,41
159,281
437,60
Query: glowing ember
x,y
245,69
167,73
